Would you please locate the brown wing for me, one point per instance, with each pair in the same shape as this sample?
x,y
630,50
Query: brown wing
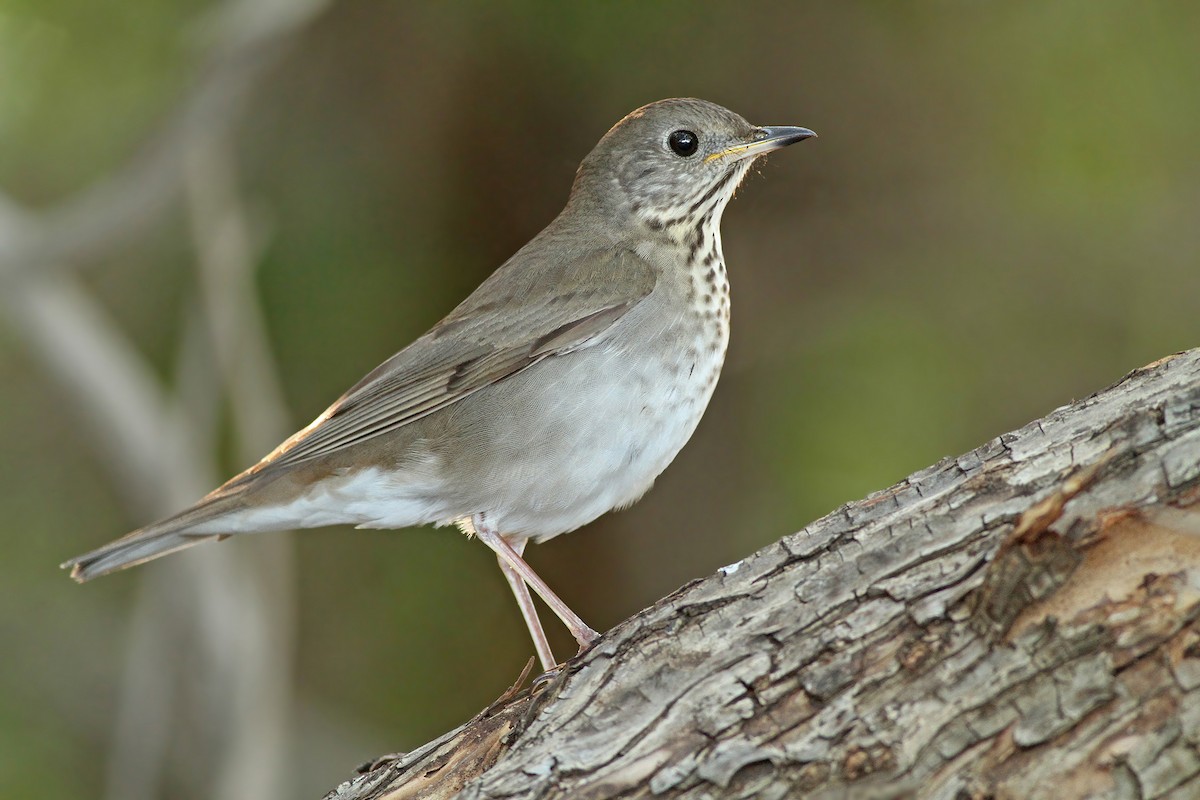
x,y
510,323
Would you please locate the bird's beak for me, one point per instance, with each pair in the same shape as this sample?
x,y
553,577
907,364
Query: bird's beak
x,y
766,139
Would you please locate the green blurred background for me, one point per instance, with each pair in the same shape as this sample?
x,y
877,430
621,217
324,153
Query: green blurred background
x,y
1002,215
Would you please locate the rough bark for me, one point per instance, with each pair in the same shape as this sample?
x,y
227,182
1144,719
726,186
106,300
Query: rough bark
x,y
1017,622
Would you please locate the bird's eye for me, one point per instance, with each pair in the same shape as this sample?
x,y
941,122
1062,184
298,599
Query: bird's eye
x,y
684,143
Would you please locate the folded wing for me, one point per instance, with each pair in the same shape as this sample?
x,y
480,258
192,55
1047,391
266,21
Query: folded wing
x,y
485,340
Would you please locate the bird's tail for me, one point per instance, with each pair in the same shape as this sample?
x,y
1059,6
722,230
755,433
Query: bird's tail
x,y
193,526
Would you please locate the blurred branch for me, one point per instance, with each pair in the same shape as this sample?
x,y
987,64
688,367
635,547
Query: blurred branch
x,y
260,627
227,250
1021,621
138,429
246,37
233,618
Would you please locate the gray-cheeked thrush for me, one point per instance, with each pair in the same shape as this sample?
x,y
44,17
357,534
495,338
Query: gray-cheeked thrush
x,y
559,390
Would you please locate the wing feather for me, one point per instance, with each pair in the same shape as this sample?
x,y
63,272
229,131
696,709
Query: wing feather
x,y
485,340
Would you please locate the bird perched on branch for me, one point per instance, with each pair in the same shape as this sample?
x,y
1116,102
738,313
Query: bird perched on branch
x,y
557,391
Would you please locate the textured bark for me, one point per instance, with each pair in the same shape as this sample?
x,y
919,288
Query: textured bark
x,y
1018,622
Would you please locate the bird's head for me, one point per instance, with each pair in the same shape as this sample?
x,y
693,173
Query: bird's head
x,y
675,161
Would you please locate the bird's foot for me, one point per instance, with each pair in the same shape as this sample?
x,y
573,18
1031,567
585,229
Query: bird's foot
x,y
585,636
377,763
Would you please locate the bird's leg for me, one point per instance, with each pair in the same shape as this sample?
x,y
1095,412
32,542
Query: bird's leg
x,y
525,601
584,635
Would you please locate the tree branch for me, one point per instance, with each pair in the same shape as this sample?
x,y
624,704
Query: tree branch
x,y
1020,621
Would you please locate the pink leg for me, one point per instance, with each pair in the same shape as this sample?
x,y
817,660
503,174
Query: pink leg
x,y
525,602
584,635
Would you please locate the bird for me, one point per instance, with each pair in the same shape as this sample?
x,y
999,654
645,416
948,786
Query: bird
x,y
557,391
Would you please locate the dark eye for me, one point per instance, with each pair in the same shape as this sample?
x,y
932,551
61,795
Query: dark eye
x,y
684,143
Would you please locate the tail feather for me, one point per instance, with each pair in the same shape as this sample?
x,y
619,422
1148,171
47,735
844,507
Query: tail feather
x,y
180,531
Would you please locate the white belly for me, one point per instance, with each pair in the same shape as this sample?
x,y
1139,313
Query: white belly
x,y
606,426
